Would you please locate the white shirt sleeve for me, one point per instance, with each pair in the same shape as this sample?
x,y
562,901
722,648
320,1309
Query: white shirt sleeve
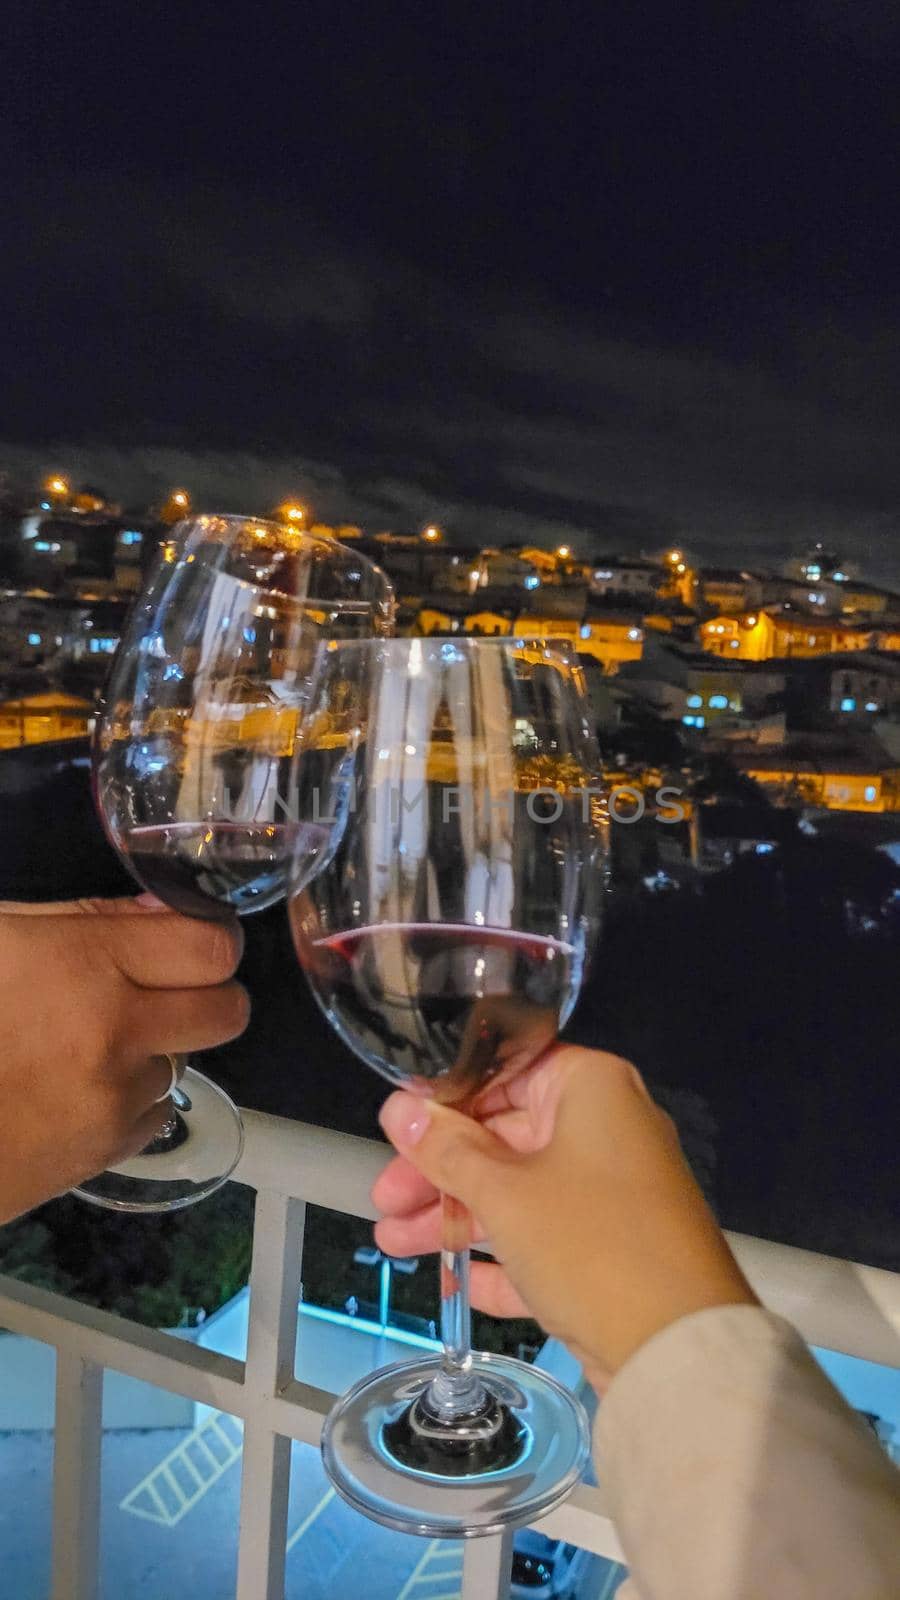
x,y
735,1471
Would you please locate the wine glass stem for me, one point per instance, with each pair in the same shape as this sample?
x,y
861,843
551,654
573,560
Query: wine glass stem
x,y
455,1391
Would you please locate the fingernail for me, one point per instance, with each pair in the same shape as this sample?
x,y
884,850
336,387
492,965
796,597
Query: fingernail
x,y
404,1118
150,902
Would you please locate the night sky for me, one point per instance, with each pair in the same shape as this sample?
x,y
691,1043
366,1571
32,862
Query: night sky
x,y
614,273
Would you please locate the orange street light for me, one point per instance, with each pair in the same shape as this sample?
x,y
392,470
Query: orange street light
x,y
180,497
57,486
563,551
292,511
432,534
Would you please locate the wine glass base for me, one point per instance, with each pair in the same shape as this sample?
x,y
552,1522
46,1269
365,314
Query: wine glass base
x,y
541,1450
176,1171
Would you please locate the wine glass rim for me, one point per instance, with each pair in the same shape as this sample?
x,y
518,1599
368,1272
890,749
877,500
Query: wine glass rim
x,y
323,541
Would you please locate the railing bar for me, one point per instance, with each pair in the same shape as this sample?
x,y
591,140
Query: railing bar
x,y
487,1567
271,1343
76,1477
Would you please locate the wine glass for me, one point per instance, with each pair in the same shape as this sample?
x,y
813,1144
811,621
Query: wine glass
x,y
193,763
446,945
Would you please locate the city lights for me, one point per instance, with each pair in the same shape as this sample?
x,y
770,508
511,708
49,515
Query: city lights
x,y
432,534
292,511
57,486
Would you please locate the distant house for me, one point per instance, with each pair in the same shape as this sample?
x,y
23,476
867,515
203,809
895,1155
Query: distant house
x,y
841,774
851,688
638,576
729,589
760,635
682,683
39,718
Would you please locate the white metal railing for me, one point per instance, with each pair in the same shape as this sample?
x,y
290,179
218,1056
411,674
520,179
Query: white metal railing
x,y
836,1304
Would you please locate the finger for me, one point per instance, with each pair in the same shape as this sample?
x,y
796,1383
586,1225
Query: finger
x,y
421,1234
165,950
418,1235
400,1190
456,1154
492,1292
182,1020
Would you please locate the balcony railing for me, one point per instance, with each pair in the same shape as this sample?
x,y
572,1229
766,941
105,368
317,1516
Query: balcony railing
x,y
835,1304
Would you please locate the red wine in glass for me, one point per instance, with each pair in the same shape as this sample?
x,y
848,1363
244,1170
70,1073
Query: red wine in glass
x,y
428,1000
214,869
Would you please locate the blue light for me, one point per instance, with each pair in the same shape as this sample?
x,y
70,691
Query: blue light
x,y
585,630
718,702
839,577
532,581
130,536
869,794
45,505
872,705
848,704
34,638
249,635
695,700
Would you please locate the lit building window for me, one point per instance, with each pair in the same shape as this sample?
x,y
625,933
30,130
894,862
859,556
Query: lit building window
x,y
848,703
695,700
718,702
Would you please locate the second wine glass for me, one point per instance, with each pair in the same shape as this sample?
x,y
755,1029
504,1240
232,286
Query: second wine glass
x,y
446,946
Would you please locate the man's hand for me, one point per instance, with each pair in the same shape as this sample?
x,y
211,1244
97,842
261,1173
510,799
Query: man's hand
x,y
93,995
580,1185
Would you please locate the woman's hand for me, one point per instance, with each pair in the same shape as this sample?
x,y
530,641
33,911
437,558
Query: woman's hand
x,y
579,1183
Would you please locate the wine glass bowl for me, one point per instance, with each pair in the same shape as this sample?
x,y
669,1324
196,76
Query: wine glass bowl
x,y
447,945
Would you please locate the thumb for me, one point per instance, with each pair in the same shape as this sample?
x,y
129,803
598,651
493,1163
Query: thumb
x,y
455,1153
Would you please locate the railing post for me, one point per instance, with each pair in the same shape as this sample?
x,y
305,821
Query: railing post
x,y
271,1342
487,1567
76,1477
